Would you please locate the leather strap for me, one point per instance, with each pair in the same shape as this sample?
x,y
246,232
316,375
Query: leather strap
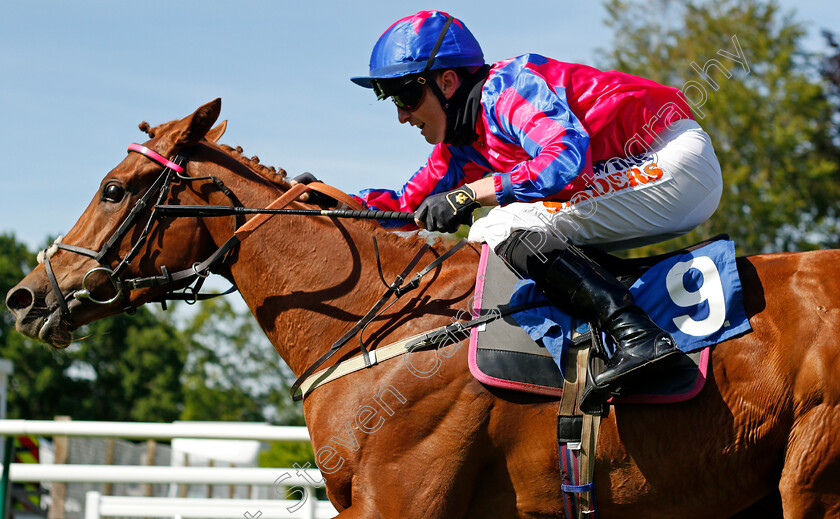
x,y
396,289
290,196
575,380
411,285
339,195
199,269
402,347
438,43
62,303
588,442
254,223
452,330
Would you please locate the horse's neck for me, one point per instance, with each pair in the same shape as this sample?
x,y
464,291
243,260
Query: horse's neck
x,y
309,279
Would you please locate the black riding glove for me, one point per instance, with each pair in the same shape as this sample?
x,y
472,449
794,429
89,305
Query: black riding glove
x,y
315,197
445,212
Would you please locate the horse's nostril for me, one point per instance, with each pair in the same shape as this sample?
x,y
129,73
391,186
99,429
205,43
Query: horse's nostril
x,y
19,299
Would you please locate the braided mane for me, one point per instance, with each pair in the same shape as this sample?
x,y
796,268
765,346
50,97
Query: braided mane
x,y
269,173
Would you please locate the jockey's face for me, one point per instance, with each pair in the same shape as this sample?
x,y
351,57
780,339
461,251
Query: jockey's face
x,y
429,115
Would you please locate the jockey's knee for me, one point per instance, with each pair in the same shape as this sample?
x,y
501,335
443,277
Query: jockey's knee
x,y
530,252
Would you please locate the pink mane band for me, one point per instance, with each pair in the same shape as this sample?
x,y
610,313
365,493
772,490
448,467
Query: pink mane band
x,y
155,156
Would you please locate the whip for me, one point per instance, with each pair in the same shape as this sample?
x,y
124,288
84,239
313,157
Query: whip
x,y
222,210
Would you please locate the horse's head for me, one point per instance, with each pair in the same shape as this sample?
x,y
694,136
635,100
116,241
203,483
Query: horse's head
x,y
119,255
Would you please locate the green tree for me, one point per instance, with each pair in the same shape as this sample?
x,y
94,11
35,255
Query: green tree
x,y
830,72
286,454
770,118
233,371
136,361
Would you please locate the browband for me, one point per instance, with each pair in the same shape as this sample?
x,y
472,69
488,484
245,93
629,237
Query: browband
x,y
155,156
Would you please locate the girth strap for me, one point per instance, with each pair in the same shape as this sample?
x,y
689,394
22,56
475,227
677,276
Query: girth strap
x,y
357,363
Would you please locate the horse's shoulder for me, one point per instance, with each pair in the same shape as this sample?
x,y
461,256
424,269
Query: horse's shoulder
x,y
815,260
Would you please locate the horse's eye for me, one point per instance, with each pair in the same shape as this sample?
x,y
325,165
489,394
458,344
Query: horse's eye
x,y
113,193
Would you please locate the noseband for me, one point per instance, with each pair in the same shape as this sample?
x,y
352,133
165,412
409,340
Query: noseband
x,y
172,169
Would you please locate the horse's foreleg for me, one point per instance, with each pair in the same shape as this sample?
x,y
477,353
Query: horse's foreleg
x,y
810,484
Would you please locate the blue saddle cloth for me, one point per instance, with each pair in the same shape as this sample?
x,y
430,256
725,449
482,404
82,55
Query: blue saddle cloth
x,y
695,296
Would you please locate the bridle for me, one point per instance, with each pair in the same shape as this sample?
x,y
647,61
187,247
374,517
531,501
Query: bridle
x,y
199,271
173,169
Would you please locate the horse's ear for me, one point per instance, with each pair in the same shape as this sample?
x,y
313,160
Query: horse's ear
x,y
193,128
216,133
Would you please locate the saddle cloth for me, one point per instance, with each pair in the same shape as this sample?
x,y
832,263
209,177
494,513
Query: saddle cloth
x,y
502,354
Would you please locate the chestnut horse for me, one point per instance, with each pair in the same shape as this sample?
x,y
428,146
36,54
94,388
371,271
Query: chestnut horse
x,y
760,438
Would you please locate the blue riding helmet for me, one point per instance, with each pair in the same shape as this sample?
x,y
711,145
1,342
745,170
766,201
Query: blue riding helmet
x,y
407,46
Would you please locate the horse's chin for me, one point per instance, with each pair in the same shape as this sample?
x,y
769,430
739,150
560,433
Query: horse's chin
x,y
50,328
55,331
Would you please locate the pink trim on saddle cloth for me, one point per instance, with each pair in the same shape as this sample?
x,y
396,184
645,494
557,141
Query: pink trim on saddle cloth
x,y
155,156
474,369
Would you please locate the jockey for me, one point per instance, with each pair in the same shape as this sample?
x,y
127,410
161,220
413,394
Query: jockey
x,y
565,153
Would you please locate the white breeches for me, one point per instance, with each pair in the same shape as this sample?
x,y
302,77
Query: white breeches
x,y
633,202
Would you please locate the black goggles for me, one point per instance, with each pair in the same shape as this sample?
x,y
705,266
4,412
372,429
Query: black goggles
x,y
407,95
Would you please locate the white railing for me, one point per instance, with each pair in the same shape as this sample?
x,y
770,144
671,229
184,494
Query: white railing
x,y
97,506
302,482
31,472
152,430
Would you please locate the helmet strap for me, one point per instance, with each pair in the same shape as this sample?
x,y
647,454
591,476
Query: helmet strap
x,y
438,43
444,102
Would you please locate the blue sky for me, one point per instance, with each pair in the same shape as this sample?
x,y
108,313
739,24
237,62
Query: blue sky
x,y
77,77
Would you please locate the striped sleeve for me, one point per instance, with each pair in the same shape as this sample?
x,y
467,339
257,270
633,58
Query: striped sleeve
x,y
528,112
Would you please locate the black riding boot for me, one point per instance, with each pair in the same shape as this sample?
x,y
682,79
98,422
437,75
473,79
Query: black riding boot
x,y
585,289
